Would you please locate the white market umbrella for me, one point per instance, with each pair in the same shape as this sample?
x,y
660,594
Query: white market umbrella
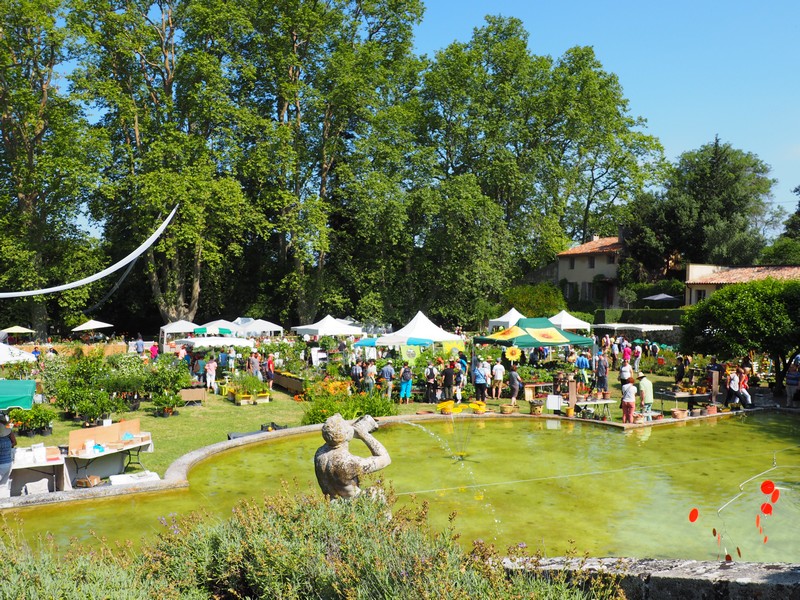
x,y
17,329
660,297
91,325
10,355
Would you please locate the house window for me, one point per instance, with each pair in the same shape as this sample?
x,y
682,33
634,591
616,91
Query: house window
x,y
591,262
612,258
699,295
571,262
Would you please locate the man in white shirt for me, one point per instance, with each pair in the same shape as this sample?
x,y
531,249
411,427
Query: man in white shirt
x,y
498,371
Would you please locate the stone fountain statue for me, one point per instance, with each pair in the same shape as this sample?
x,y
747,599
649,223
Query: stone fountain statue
x,y
337,469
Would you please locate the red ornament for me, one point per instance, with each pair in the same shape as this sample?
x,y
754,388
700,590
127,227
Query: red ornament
x,y
767,487
693,514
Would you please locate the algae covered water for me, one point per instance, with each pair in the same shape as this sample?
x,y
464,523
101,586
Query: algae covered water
x,y
552,485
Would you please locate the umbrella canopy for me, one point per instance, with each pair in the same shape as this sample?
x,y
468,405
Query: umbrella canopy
x,y
182,326
529,333
659,297
564,320
10,355
17,329
366,343
216,342
91,325
328,326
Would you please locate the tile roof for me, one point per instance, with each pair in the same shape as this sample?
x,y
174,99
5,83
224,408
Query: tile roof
x,y
745,274
605,245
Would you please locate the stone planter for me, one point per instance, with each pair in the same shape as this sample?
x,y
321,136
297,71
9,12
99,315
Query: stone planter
x,y
507,409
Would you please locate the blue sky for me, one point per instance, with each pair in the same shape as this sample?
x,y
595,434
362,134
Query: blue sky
x,y
692,69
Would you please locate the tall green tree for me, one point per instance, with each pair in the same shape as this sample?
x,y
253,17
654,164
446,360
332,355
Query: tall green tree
x,y
760,316
785,249
159,89
48,162
714,209
550,141
310,78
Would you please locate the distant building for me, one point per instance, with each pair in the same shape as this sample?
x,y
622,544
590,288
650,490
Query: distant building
x,y
589,271
704,280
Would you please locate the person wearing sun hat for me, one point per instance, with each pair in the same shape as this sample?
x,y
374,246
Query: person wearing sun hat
x,y
7,443
646,395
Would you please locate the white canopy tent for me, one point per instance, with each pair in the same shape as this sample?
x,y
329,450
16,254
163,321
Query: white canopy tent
x,y
220,324
420,328
507,320
248,326
10,355
182,326
644,328
328,326
566,321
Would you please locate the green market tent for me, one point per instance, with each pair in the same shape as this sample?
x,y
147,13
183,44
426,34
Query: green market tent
x,y
534,332
16,393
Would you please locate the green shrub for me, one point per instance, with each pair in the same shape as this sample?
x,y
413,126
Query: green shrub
x,y
294,545
168,373
324,404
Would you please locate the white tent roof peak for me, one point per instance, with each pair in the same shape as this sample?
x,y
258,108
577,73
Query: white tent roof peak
x,y
328,326
247,325
507,320
182,326
418,327
564,320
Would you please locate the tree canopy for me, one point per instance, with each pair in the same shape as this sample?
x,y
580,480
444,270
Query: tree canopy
x,y
759,315
321,166
713,209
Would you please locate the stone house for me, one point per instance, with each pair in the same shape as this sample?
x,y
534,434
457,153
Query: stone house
x,y
704,280
589,271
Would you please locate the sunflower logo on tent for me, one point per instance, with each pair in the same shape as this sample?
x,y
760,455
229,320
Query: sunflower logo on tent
x,y
550,334
513,353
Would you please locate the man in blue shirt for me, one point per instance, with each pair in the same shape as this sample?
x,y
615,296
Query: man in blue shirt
x,y
387,374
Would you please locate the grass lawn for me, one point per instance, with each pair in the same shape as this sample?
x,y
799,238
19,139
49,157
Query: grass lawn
x,y
197,426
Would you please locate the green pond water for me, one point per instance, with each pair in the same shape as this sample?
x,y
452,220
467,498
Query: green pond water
x,y
524,480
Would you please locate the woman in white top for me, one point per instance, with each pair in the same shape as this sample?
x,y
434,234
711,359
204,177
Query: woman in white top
x,y
628,400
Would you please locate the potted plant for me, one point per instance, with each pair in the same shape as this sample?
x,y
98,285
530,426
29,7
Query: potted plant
x,y
22,420
41,419
165,403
